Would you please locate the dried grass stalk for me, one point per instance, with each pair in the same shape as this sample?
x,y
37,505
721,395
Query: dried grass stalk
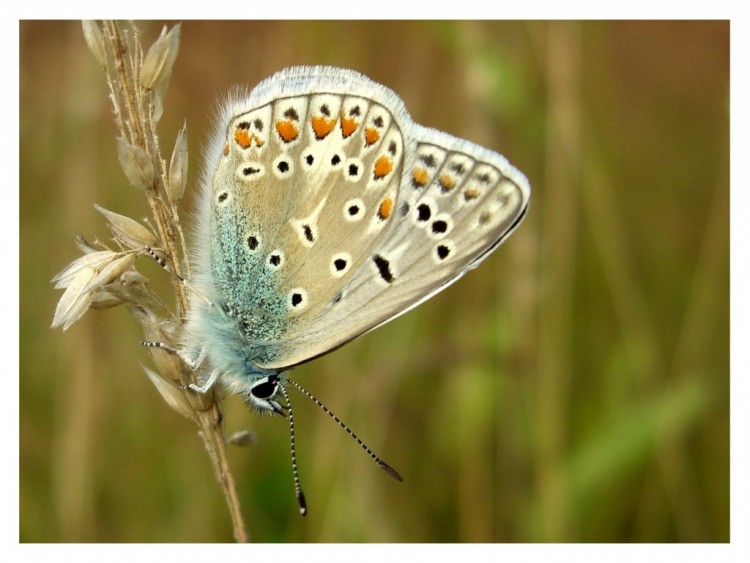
x,y
105,277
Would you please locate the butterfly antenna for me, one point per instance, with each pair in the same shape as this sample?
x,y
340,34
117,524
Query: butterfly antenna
x,y
159,259
295,472
392,472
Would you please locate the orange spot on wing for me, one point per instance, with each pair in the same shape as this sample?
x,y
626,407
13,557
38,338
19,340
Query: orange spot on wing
x,y
420,177
385,209
226,149
322,125
383,167
348,126
243,138
371,136
287,130
447,183
471,193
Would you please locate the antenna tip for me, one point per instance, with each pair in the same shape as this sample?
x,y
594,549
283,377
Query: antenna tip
x,y
392,472
302,503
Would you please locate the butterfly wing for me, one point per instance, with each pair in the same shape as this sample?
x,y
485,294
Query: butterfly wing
x,y
456,204
332,213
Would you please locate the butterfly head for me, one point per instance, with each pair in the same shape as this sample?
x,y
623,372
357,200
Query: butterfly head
x,y
263,395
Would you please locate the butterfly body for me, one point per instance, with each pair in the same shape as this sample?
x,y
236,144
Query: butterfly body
x,y
325,212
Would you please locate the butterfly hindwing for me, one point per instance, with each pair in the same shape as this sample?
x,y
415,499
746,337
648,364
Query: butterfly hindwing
x,y
456,203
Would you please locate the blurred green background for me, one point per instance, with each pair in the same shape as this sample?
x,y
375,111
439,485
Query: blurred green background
x,y
574,388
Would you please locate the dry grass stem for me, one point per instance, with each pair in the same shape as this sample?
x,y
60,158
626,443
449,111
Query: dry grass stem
x,y
106,277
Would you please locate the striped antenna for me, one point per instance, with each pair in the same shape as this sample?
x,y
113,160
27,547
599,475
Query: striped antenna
x,y
295,472
392,472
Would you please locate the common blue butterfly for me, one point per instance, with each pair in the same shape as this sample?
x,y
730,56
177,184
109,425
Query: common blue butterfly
x,y
325,212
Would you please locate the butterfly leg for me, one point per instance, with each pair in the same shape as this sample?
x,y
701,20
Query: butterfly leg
x,y
207,385
159,259
193,364
163,345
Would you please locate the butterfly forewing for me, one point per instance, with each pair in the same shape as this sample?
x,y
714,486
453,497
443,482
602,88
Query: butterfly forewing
x,y
303,189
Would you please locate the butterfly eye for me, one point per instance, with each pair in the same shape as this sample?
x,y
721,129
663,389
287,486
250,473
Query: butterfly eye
x,y
264,389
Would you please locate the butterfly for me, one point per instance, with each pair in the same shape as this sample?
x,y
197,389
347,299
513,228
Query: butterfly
x,y
324,213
